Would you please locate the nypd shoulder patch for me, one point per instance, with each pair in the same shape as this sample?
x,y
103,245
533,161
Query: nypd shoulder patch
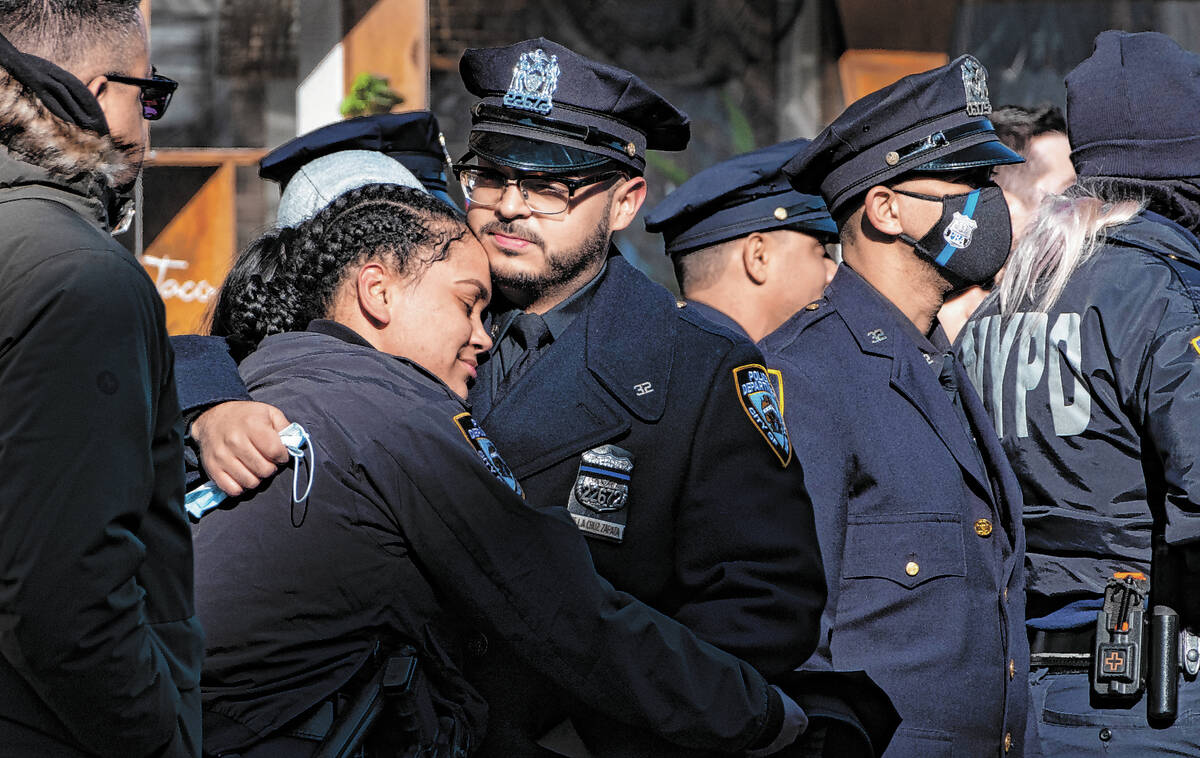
x,y
757,396
777,381
487,452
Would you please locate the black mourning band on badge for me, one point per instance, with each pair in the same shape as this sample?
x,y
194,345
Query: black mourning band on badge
x,y
588,135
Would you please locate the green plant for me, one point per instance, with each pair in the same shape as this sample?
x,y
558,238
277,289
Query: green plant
x,y
369,95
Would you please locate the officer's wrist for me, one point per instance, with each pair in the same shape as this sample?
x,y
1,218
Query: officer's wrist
x,y
773,723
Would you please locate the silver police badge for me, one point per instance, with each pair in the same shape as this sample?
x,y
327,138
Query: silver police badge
x,y
534,80
974,78
600,494
958,234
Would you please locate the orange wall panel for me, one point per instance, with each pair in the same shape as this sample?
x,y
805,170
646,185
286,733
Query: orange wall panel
x,y
864,71
188,260
392,40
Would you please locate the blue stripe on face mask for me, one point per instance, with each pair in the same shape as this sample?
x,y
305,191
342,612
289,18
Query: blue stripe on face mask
x,y
969,211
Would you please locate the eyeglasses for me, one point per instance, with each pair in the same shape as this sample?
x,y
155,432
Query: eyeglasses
x,y
156,92
546,195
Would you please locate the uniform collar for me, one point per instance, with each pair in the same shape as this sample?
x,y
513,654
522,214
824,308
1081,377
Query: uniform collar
x,y
344,333
873,319
718,317
341,331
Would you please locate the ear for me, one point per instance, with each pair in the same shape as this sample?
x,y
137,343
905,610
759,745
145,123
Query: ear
x,y
375,287
881,209
627,201
98,86
756,257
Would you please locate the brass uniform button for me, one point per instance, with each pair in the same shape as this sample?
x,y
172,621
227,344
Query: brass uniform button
x,y
983,527
630,149
1006,594
781,213
1012,668
812,306
1007,741
911,568
892,158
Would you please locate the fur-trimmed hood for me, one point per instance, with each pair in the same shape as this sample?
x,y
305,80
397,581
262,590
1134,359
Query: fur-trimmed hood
x,y
70,154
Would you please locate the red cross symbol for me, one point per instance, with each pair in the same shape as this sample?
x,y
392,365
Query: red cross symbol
x,y
1114,662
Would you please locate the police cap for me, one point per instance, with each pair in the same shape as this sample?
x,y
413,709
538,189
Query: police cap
x,y
546,108
412,138
745,194
935,121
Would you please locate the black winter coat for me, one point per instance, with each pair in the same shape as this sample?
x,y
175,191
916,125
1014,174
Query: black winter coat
x,y
99,646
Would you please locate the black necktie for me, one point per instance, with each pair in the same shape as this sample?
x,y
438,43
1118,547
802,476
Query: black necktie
x,y
531,333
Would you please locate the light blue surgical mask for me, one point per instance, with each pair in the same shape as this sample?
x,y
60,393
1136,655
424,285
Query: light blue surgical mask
x,y
299,446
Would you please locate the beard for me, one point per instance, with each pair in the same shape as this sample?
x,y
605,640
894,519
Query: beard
x,y
126,179
563,267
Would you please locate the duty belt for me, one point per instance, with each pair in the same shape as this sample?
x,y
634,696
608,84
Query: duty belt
x,y
1069,649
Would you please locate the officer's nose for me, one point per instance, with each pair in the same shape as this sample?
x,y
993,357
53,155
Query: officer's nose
x,y
512,203
481,341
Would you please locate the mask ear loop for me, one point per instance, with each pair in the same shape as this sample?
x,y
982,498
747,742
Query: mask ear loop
x,y
299,446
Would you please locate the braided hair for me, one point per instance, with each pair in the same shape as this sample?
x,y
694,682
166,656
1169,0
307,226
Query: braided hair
x,y
290,276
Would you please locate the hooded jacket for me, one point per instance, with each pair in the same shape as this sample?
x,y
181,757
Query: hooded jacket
x,y
99,647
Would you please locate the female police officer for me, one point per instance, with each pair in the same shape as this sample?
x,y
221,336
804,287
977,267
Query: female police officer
x,y
1086,360
414,532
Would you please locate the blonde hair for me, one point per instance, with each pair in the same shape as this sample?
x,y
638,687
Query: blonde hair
x,y
1065,232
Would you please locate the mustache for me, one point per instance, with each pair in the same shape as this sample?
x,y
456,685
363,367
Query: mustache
x,y
509,229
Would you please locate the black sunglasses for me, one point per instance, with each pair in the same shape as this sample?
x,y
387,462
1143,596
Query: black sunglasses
x,y
156,92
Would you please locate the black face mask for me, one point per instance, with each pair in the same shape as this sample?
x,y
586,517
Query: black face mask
x,y
971,241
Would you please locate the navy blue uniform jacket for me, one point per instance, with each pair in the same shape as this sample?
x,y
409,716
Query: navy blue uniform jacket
x,y
410,535
928,607
719,535
1097,403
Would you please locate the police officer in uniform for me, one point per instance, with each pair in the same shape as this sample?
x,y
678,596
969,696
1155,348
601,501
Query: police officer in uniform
x,y
1086,359
749,251
917,507
642,419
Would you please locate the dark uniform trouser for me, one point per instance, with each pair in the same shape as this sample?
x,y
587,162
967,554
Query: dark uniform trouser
x,y
1064,722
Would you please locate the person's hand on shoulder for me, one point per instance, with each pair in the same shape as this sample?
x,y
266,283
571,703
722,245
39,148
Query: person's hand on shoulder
x,y
239,444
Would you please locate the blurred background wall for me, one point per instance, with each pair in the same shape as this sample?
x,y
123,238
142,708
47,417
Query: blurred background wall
x,y
255,73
